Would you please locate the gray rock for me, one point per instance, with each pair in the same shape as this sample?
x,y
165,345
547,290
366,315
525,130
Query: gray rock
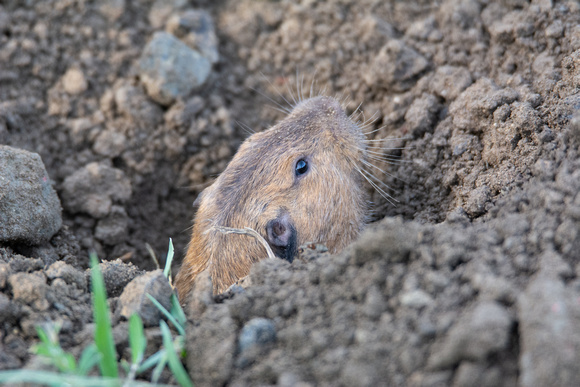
x,y
478,334
169,69
94,188
258,332
30,211
549,323
134,298
196,29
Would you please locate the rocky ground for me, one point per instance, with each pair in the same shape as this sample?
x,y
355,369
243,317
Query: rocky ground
x,y
115,114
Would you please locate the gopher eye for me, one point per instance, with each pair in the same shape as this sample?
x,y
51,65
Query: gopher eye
x,y
301,167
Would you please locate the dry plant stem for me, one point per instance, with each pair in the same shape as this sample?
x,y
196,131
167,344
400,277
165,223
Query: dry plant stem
x,y
247,231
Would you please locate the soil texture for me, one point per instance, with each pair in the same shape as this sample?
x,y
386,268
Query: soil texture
x,y
468,275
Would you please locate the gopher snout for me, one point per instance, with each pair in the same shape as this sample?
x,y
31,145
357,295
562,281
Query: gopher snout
x,y
282,237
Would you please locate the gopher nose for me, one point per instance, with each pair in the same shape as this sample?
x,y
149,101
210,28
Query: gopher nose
x,y
282,237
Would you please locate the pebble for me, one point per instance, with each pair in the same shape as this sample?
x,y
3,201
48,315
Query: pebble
x,y
169,69
258,332
74,81
416,299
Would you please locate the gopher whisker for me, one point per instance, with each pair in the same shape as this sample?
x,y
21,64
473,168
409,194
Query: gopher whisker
x,y
386,159
288,109
245,127
381,192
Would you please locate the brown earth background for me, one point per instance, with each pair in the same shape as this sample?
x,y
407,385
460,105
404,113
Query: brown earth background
x,y
472,278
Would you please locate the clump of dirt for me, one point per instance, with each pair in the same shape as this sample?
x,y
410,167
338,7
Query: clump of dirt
x,y
473,276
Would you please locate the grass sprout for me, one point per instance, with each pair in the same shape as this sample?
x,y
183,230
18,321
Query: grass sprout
x,y
102,353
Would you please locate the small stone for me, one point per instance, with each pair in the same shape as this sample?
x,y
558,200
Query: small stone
x,y
30,210
169,69
258,332
477,200
134,298
74,81
416,299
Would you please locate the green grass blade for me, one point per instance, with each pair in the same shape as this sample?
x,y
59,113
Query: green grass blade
x,y
175,365
44,335
52,378
151,361
49,348
103,331
175,323
168,260
137,339
89,358
156,374
177,311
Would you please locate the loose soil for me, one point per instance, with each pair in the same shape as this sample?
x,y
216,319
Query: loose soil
x,y
470,278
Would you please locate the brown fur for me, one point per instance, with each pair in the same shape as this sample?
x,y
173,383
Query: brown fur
x,y
328,205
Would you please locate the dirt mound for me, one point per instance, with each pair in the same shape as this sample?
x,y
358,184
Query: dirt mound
x,y
471,276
